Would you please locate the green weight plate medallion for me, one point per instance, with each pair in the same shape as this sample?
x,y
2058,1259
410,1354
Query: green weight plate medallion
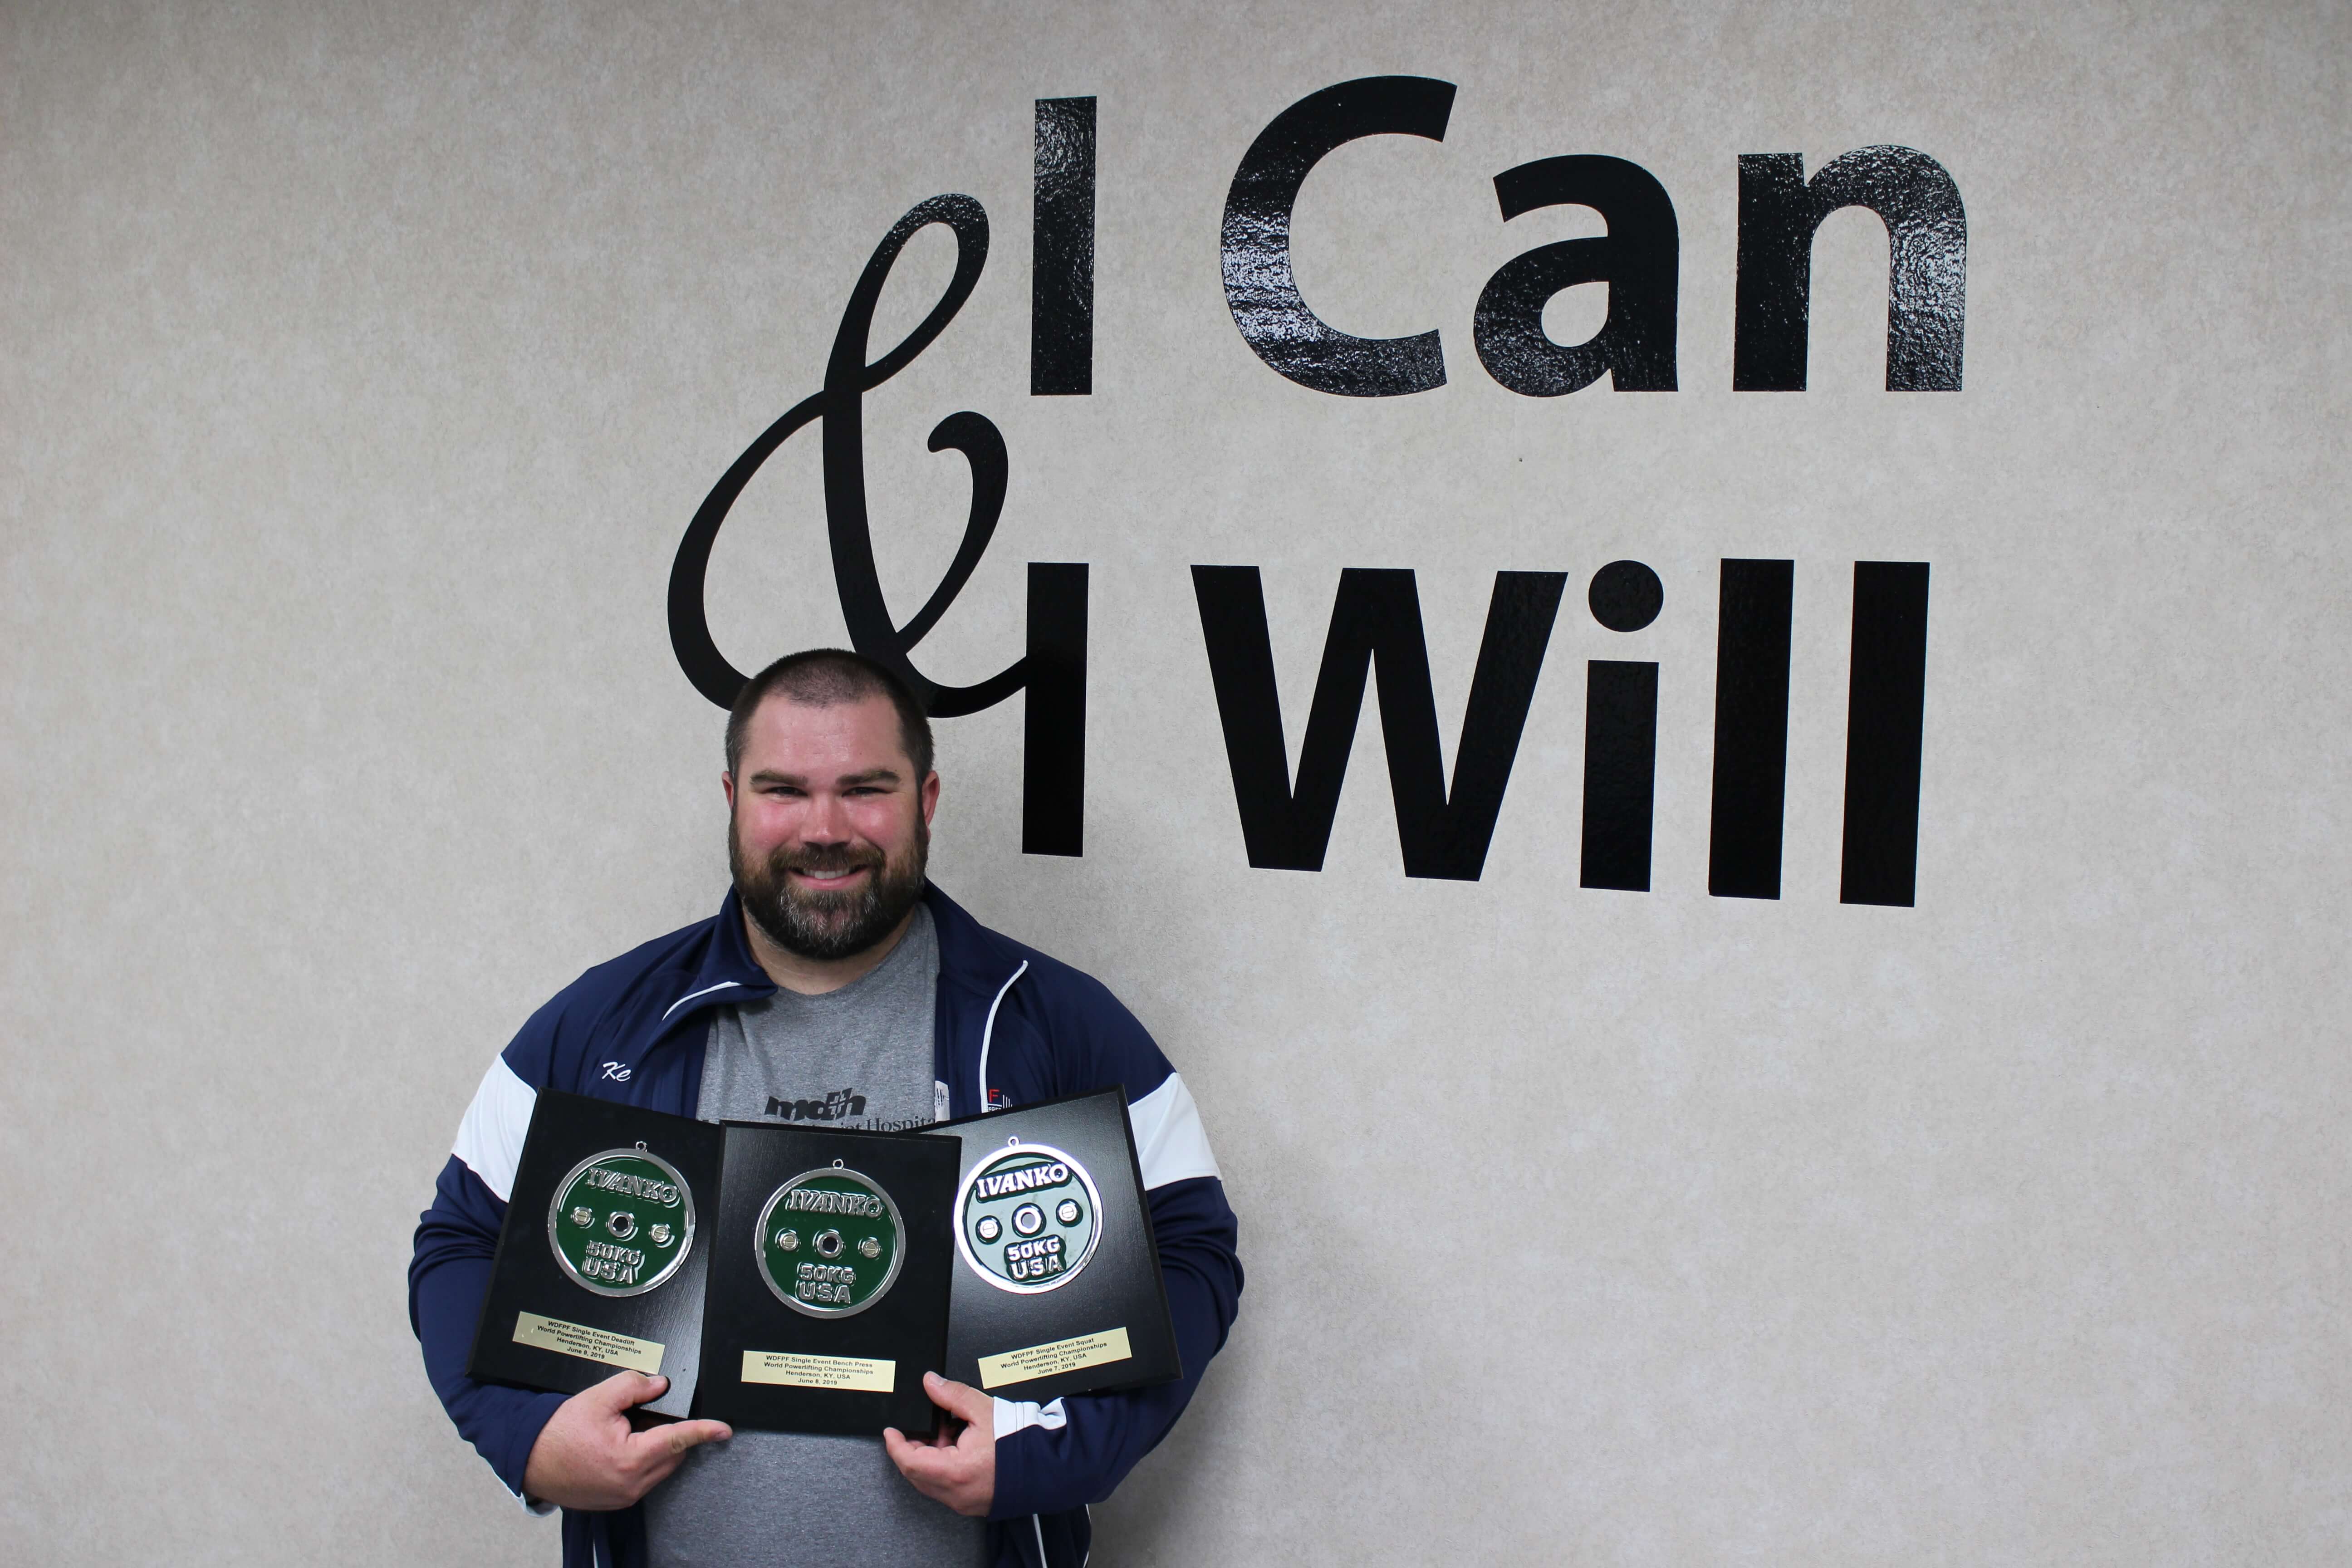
x,y
622,1222
829,1242
1027,1218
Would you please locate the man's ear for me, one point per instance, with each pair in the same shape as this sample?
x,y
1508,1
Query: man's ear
x,y
930,792
727,784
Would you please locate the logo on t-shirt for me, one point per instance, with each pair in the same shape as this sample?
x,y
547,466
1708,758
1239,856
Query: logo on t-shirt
x,y
840,1105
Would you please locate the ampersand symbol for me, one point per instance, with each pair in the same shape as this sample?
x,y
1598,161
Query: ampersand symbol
x,y
849,376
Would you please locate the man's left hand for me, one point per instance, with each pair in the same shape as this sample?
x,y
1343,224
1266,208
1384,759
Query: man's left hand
x,y
961,1471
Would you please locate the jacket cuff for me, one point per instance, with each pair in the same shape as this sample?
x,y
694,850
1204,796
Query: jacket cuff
x,y
513,1457
1015,1483
1025,1471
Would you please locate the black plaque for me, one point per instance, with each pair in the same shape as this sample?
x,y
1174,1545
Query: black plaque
x,y
829,1266
603,1259
1057,1286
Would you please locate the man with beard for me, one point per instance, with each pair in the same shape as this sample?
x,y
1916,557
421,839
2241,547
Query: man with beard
x,y
835,986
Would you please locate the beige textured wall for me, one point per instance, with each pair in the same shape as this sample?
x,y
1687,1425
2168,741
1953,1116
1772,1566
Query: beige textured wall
x,y
362,366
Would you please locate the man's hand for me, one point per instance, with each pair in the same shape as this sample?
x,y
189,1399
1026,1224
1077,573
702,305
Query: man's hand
x,y
960,1471
588,1457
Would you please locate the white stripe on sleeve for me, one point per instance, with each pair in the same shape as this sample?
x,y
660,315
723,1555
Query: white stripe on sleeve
x,y
1012,1417
1170,1142
490,1140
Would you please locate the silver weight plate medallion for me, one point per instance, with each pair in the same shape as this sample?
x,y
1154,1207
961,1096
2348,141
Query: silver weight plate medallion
x,y
622,1222
1027,1218
829,1242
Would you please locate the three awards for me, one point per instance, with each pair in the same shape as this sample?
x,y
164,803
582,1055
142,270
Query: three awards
x,y
803,1279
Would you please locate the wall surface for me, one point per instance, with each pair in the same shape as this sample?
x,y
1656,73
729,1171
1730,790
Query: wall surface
x,y
361,367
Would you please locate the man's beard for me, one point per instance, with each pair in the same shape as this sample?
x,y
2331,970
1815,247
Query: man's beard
x,y
828,925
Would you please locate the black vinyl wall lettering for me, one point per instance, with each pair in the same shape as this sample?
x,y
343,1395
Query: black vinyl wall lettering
x,y
1054,732
1062,265
1375,626
1928,254
1639,259
1752,729
1885,715
1053,668
1625,595
1376,630
1620,764
1621,735
1260,290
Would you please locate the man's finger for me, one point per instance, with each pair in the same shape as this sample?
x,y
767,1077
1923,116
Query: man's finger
x,y
917,1462
674,1438
624,1389
963,1401
687,1434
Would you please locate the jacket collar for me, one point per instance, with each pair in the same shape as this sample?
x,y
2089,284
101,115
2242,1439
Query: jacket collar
x,y
971,957
726,972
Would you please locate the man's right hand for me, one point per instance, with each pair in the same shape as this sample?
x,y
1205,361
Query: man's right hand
x,y
587,1457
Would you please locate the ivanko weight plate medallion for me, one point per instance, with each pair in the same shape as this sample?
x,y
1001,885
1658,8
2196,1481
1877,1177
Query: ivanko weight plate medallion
x,y
830,1242
622,1222
1027,1218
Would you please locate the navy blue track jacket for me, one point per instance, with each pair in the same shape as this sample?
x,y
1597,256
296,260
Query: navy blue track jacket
x,y
1013,1026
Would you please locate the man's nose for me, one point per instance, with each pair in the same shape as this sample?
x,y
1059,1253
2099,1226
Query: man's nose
x,y
824,822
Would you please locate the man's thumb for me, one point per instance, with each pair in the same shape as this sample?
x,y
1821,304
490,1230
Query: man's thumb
x,y
960,1400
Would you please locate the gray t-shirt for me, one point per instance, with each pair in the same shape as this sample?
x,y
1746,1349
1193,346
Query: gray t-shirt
x,y
858,1058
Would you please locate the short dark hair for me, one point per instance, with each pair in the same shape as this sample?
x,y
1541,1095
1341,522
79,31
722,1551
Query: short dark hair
x,y
824,678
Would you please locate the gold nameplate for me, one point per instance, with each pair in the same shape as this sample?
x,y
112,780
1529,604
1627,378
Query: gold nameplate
x,y
820,1371
1062,1355
587,1344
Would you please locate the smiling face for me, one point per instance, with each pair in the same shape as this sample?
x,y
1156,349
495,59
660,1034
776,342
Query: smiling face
x,y
828,831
